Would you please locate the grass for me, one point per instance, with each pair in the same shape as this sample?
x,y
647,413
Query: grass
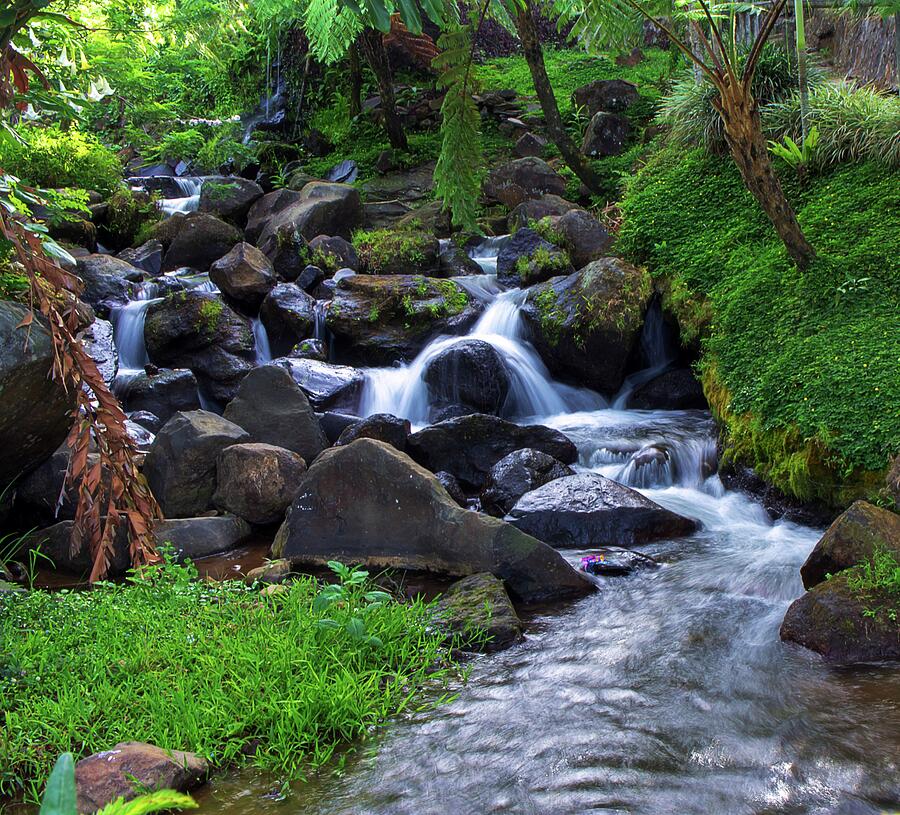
x,y
877,581
803,368
217,669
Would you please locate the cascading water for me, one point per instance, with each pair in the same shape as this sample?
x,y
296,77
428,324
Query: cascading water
x,y
261,336
189,201
128,335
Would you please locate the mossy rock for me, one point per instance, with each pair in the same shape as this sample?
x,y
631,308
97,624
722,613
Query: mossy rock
x,y
387,251
477,614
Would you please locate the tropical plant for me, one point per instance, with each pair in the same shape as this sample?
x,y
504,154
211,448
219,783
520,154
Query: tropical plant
x,y
797,155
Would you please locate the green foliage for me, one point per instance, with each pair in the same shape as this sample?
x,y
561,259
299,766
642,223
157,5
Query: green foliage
x,y
381,250
131,214
540,262
877,581
796,155
208,667
805,364
177,145
551,314
50,157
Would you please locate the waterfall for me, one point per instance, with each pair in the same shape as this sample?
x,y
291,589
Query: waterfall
x,y
655,350
261,338
189,186
485,253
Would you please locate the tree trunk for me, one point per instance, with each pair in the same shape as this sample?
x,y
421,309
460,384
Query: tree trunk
x,y
743,132
355,81
376,55
800,34
534,56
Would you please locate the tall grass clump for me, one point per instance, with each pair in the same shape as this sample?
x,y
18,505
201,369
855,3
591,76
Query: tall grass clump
x,y
854,124
215,668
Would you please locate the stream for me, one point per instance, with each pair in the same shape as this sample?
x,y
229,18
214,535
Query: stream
x,y
665,692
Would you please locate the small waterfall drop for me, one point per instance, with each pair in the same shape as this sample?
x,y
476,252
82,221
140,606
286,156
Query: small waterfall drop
x,y
189,201
656,352
261,338
128,335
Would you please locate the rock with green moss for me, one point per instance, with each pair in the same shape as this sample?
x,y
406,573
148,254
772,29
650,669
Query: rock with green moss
x,y
529,258
585,326
229,197
387,251
477,614
853,538
380,319
196,330
200,241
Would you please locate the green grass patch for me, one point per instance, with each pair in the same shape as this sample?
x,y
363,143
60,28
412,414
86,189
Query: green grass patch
x,y
216,669
796,363
877,581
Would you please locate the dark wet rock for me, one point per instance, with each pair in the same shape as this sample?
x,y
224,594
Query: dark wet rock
x,y
338,252
530,145
162,393
289,315
856,534
193,538
245,274
617,562
328,387
470,373
606,135
272,572
476,614
181,464
677,389
289,255
610,95
39,495
310,349
139,434
527,258
384,427
130,768
149,420
273,409
334,423
521,179
585,238
320,208
196,330
310,277
97,340
108,281
547,206
265,209
586,326
520,472
147,257
835,621
34,409
469,446
453,261
380,319
200,241
55,545
257,482
371,504
229,197
588,510
454,490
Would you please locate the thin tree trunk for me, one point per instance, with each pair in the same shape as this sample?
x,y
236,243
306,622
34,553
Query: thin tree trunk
x,y
376,55
743,132
355,81
800,33
534,56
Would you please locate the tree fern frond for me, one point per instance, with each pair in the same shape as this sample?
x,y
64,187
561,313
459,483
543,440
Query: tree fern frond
x,y
331,29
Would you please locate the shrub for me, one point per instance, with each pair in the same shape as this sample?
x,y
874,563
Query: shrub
x,y
51,157
129,216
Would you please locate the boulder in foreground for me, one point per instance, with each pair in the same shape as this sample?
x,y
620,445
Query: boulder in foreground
x,y
476,612
368,503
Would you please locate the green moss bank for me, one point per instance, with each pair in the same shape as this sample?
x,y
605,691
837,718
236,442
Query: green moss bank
x,y
802,370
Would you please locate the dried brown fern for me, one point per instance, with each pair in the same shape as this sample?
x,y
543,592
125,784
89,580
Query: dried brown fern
x,y
418,47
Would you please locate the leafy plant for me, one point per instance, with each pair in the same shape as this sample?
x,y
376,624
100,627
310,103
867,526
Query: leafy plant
x,y
877,580
351,594
797,156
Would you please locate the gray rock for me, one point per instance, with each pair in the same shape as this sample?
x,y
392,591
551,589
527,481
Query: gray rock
x,y
583,236
381,426
454,262
201,239
162,394
54,543
328,387
535,209
289,315
454,490
610,95
520,472
108,281
194,538
229,197
476,613
527,258
471,373
524,178
607,135
147,257
677,389
339,252
97,340
245,274
530,144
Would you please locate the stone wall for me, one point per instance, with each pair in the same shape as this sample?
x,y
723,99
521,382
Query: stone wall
x,y
862,47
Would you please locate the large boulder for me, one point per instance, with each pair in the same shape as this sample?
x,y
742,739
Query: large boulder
x,y
535,209
34,408
388,251
194,538
257,482
273,409
610,95
606,135
147,257
583,236
327,386
524,178
469,446
470,373
520,472
844,625
371,504
320,208
181,464
196,330
130,768
289,315
589,510
527,258
856,534
476,614
265,209
384,427
333,252
245,274
586,326
229,197
380,319
162,393
677,389
108,281
54,543
201,240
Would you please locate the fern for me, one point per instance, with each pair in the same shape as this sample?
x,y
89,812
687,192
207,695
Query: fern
x,y
331,29
457,176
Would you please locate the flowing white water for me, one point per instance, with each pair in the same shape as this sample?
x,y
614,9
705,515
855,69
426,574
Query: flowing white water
x,y
189,201
128,335
261,336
